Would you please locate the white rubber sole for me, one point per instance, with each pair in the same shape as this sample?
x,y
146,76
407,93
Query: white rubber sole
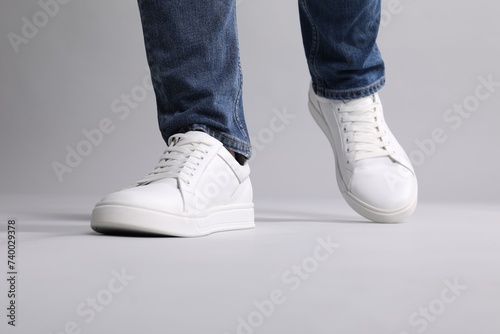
x,y
112,219
370,212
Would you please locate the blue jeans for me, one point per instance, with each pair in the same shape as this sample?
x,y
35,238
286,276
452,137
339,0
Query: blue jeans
x,y
193,54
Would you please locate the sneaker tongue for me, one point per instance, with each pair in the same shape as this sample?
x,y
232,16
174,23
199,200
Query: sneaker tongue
x,y
191,137
174,140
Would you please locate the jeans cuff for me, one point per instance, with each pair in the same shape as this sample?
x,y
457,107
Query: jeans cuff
x,y
349,94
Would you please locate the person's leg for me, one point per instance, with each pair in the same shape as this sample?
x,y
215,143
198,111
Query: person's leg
x,y
197,187
374,174
340,44
192,51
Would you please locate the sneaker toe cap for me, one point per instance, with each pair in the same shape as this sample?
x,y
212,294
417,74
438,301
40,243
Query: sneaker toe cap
x,y
383,188
157,196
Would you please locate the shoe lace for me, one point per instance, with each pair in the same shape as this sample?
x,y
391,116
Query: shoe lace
x,y
364,135
180,160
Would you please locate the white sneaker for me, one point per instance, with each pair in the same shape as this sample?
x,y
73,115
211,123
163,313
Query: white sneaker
x,y
373,171
196,189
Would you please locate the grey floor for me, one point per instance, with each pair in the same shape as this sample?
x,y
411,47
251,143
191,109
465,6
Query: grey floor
x,y
308,267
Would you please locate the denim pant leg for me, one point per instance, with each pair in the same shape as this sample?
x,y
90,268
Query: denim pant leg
x,y
340,44
193,54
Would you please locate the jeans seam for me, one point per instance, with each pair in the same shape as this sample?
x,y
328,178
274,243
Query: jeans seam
x,y
239,122
237,102
314,44
153,68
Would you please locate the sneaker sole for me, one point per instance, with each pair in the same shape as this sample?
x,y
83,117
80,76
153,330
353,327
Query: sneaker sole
x,y
372,213
117,219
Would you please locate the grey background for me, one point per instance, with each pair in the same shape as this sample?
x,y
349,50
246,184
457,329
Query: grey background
x,y
65,78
